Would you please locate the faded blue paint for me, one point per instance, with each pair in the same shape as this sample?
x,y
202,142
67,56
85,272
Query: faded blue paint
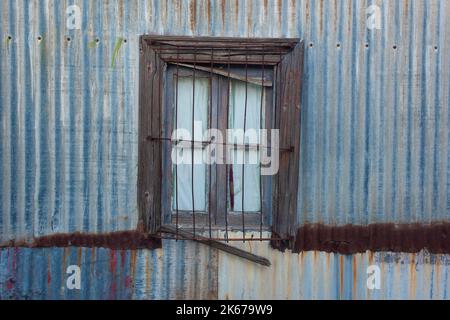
x,y
375,136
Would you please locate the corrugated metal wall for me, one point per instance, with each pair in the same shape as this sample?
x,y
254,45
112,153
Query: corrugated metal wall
x,y
185,270
375,124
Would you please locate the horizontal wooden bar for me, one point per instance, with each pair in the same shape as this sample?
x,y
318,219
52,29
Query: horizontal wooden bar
x,y
254,80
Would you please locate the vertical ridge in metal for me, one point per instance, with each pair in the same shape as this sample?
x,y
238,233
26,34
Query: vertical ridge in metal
x,y
176,153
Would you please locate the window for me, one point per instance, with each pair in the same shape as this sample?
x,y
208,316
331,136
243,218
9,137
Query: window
x,y
212,112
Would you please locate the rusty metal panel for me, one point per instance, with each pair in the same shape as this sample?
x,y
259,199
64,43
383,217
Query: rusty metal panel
x,y
180,270
322,275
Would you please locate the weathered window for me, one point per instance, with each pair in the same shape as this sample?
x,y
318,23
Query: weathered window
x,y
210,110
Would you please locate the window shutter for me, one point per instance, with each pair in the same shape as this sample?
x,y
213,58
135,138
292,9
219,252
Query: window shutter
x,y
288,102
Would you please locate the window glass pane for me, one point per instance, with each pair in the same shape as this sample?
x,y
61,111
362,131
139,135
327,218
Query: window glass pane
x,y
251,136
184,150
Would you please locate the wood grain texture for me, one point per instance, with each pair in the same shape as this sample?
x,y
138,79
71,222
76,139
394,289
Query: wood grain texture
x,y
150,105
288,99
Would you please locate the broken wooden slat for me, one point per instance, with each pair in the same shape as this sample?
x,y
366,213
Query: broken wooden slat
x,y
216,244
254,80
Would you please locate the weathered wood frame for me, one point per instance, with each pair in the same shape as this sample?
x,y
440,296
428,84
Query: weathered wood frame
x,y
285,55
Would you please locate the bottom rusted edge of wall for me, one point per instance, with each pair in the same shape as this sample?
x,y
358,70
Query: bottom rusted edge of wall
x,y
120,240
349,239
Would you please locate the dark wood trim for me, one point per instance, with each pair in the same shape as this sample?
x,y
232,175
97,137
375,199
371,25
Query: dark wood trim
x,y
151,74
288,105
156,52
226,49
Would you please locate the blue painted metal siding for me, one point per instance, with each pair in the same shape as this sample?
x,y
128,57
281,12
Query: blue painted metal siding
x,y
375,120
184,270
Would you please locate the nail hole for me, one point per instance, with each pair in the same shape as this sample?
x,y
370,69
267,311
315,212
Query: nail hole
x,y
125,40
436,47
310,45
338,45
97,40
366,45
39,38
68,38
395,47
9,38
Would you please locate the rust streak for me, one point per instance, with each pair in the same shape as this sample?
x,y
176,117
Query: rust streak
x,y
355,276
223,13
208,14
280,8
114,240
341,276
350,239
193,14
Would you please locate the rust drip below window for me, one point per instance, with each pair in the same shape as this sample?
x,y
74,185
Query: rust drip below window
x,y
122,240
350,239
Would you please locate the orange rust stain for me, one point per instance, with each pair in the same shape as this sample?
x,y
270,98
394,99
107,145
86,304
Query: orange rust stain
x,y
236,12
370,257
177,13
293,15
327,259
350,19
335,12
307,10
406,3
79,253
354,265
193,14
133,262
412,277
223,13
121,10
280,8
208,13
341,276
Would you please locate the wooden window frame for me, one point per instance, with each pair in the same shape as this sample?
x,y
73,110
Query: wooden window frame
x,y
285,56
